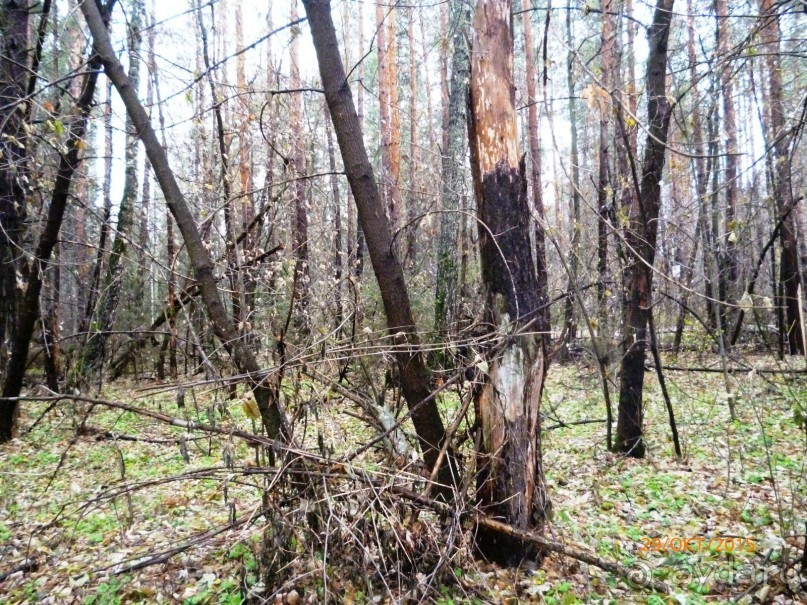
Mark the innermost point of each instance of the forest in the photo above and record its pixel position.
(372, 301)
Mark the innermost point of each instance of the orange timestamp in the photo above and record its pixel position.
(698, 543)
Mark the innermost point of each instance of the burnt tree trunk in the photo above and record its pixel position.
(641, 239)
(378, 237)
(510, 478)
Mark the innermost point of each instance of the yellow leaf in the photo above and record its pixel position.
(251, 409)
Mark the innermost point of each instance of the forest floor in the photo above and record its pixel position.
(741, 486)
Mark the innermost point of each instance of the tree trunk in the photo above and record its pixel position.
(376, 226)
(95, 349)
(641, 239)
(15, 44)
(510, 478)
(412, 209)
(453, 159)
(729, 265)
(609, 67)
(263, 388)
(698, 175)
(29, 307)
(230, 244)
(535, 170)
(299, 229)
(570, 323)
(789, 273)
(337, 224)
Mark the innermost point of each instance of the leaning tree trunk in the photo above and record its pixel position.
(378, 237)
(95, 349)
(641, 239)
(13, 76)
(510, 479)
(263, 387)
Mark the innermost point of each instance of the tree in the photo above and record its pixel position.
(641, 239)
(263, 387)
(453, 160)
(95, 348)
(29, 307)
(13, 156)
(299, 227)
(414, 374)
(779, 139)
(510, 477)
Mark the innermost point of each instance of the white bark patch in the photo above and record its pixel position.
(510, 383)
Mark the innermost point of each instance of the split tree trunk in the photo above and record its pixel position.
(510, 478)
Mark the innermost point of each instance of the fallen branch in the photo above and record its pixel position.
(25, 566)
(735, 370)
(534, 538)
(563, 425)
(102, 435)
(345, 468)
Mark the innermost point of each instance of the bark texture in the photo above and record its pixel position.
(789, 273)
(446, 298)
(15, 47)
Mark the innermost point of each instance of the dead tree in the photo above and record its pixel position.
(510, 477)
